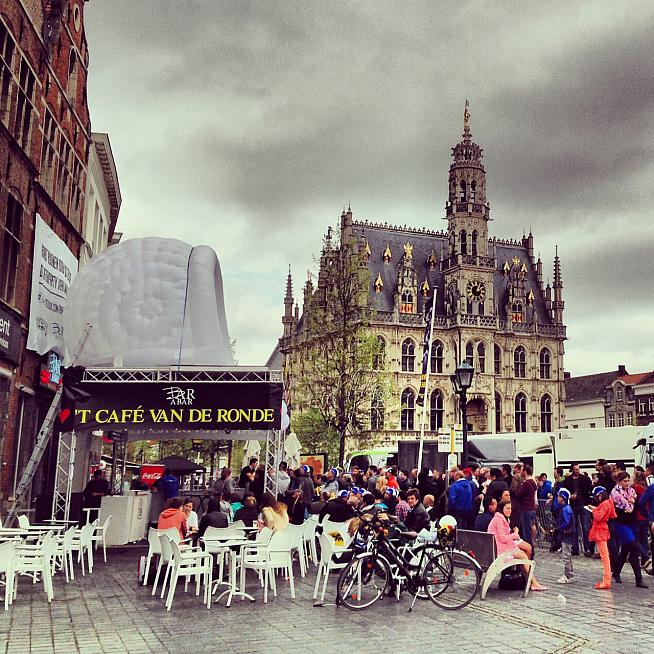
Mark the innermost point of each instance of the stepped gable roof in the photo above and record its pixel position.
(379, 236)
(589, 387)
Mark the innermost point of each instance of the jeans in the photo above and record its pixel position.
(526, 521)
(642, 530)
(584, 519)
(566, 557)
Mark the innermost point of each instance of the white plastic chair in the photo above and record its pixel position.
(297, 545)
(154, 548)
(83, 544)
(7, 565)
(328, 552)
(255, 557)
(165, 558)
(23, 522)
(266, 558)
(198, 565)
(99, 535)
(35, 560)
(64, 554)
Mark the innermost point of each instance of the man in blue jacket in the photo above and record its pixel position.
(459, 500)
(647, 508)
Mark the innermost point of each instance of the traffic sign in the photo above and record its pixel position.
(450, 439)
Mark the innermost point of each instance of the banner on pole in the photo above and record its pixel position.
(426, 350)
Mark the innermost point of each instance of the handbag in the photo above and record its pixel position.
(512, 579)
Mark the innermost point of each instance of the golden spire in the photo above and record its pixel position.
(387, 254)
(379, 284)
(524, 268)
(530, 297)
(506, 268)
(424, 288)
(367, 249)
(408, 251)
(432, 262)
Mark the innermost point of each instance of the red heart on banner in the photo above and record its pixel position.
(64, 415)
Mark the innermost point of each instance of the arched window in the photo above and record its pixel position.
(498, 413)
(408, 404)
(406, 304)
(521, 412)
(520, 362)
(475, 236)
(462, 191)
(470, 353)
(408, 355)
(545, 364)
(481, 357)
(497, 359)
(437, 357)
(436, 410)
(463, 237)
(516, 312)
(473, 191)
(546, 413)
(377, 411)
(379, 358)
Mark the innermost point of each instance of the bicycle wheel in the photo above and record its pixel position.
(363, 581)
(452, 579)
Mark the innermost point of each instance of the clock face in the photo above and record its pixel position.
(475, 290)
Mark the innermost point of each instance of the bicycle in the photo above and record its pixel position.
(449, 577)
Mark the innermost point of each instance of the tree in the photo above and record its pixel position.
(336, 350)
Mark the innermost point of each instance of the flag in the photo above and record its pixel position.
(426, 351)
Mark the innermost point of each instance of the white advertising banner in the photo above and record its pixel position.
(53, 269)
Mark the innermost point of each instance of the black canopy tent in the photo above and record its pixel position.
(179, 466)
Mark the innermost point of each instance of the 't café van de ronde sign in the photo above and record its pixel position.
(177, 406)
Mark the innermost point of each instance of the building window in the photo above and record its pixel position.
(575, 426)
(520, 362)
(521, 412)
(6, 57)
(516, 312)
(620, 419)
(408, 410)
(630, 418)
(10, 249)
(406, 303)
(619, 392)
(437, 357)
(462, 191)
(475, 236)
(408, 355)
(481, 357)
(437, 410)
(497, 359)
(377, 411)
(545, 364)
(593, 425)
(24, 105)
(546, 413)
(611, 419)
(641, 406)
(470, 353)
(464, 241)
(498, 413)
(473, 194)
(651, 404)
(71, 87)
(379, 358)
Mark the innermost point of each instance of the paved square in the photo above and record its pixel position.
(110, 613)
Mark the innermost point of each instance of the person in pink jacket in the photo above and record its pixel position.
(509, 541)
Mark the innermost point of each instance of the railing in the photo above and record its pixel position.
(412, 318)
(486, 262)
(488, 321)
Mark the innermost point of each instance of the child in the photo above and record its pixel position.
(565, 525)
(599, 532)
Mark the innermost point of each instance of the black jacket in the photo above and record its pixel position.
(337, 510)
(583, 487)
(417, 519)
(248, 514)
(213, 519)
(496, 488)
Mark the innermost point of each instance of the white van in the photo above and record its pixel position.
(366, 458)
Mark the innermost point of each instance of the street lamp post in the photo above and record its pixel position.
(461, 382)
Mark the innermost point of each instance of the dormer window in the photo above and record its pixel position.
(406, 303)
(516, 312)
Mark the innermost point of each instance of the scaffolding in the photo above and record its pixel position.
(64, 476)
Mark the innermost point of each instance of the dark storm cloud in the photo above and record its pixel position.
(255, 122)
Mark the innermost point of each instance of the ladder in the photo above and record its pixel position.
(42, 439)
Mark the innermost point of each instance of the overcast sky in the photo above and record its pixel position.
(248, 126)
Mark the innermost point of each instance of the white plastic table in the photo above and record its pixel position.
(233, 590)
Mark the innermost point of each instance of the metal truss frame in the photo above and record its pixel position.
(64, 475)
(274, 456)
(210, 375)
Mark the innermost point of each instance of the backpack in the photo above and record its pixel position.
(512, 579)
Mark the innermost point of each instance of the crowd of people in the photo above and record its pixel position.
(608, 515)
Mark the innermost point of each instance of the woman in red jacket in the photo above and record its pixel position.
(599, 532)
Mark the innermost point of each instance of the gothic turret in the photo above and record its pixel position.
(287, 320)
(558, 303)
(406, 298)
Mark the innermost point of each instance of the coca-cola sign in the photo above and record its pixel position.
(150, 473)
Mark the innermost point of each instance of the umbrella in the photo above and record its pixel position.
(178, 465)
(252, 449)
(292, 450)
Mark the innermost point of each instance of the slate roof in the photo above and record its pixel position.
(589, 387)
(423, 243)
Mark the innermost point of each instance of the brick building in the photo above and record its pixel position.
(45, 135)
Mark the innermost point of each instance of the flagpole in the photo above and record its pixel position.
(424, 404)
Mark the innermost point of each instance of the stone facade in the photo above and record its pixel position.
(492, 308)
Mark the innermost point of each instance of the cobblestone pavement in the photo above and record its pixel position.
(109, 613)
